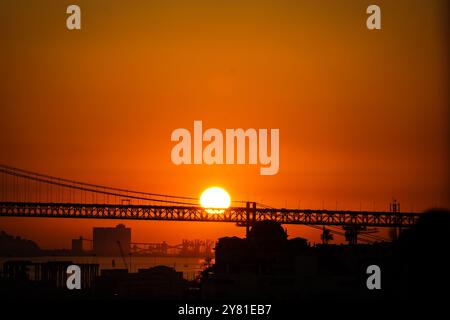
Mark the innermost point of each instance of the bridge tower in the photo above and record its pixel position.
(394, 207)
(250, 216)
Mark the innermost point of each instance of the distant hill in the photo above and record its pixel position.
(16, 246)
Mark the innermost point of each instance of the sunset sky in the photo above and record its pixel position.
(363, 115)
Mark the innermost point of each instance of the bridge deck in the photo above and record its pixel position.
(238, 215)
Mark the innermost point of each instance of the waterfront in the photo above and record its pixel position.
(190, 266)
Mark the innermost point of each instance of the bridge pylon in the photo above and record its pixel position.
(395, 209)
(250, 216)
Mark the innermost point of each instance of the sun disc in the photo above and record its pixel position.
(215, 200)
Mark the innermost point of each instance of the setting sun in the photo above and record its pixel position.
(215, 199)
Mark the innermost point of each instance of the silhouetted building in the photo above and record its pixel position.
(158, 283)
(112, 242)
(267, 265)
(77, 246)
(27, 279)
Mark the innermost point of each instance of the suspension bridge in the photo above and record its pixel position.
(25, 193)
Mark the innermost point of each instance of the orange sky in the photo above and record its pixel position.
(363, 115)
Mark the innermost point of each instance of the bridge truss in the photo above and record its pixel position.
(239, 215)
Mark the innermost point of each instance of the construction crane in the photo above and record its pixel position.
(121, 253)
